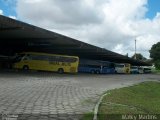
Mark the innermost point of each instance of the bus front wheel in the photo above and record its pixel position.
(25, 67)
(60, 70)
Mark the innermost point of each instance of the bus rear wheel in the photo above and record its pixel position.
(92, 71)
(97, 72)
(60, 70)
(25, 67)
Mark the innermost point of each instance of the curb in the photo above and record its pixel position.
(97, 106)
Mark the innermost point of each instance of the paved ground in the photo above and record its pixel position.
(57, 96)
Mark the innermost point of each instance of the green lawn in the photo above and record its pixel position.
(143, 98)
(155, 71)
(88, 116)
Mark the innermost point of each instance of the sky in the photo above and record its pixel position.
(109, 24)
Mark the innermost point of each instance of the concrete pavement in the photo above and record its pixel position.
(55, 96)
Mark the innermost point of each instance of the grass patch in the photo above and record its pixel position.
(88, 116)
(156, 71)
(143, 98)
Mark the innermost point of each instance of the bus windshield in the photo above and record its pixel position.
(120, 65)
(19, 57)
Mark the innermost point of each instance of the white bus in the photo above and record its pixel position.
(122, 68)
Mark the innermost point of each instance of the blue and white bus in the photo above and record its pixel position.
(96, 66)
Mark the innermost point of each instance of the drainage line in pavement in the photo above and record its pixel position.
(97, 106)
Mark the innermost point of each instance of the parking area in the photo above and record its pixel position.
(55, 95)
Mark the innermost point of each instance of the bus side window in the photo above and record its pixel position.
(62, 59)
(43, 57)
(74, 59)
(52, 58)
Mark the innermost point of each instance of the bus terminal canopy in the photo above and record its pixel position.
(16, 36)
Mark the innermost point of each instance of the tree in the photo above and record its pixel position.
(138, 56)
(155, 51)
(157, 64)
(155, 54)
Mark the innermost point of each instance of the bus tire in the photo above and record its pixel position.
(92, 71)
(25, 67)
(97, 72)
(60, 70)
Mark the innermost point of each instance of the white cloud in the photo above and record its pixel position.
(111, 24)
(57, 11)
(13, 17)
(1, 12)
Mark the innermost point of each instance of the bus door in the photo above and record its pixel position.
(27, 61)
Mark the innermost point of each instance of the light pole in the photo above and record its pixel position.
(135, 49)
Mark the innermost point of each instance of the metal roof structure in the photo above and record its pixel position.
(17, 36)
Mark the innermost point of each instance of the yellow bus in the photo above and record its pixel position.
(46, 62)
(123, 68)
